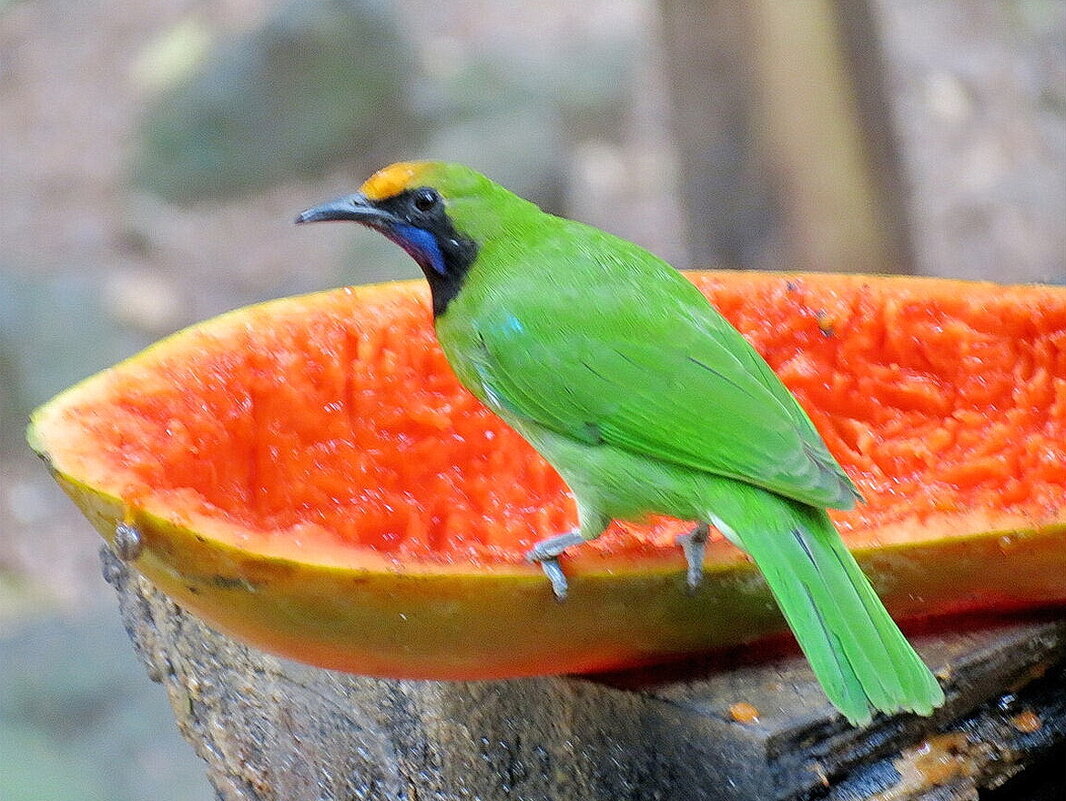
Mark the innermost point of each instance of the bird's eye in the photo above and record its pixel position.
(426, 199)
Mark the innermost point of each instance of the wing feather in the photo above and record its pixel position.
(642, 361)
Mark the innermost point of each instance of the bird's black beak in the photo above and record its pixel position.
(351, 208)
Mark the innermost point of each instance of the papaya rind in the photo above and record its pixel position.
(355, 610)
(429, 622)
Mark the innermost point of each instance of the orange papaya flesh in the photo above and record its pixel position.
(308, 475)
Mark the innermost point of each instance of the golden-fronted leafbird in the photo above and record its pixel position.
(645, 400)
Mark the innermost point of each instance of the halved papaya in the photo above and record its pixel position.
(308, 475)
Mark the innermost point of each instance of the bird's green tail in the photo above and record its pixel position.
(856, 650)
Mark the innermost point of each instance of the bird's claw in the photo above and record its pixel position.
(694, 545)
(555, 575)
(546, 554)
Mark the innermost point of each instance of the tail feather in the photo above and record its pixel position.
(814, 632)
(855, 648)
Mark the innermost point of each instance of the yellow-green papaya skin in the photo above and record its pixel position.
(430, 622)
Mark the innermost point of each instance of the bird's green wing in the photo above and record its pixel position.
(652, 368)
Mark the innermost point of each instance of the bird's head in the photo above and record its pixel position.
(440, 213)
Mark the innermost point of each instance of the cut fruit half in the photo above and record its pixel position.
(308, 475)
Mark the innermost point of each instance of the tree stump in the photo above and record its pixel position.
(274, 730)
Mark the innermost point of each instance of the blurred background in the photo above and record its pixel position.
(154, 153)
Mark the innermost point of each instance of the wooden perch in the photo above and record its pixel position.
(274, 730)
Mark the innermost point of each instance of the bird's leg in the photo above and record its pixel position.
(546, 552)
(591, 523)
(693, 544)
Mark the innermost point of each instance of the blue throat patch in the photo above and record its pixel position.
(421, 245)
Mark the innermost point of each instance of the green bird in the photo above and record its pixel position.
(646, 401)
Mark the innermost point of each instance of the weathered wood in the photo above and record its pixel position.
(826, 139)
(730, 208)
(783, 135)
(274, 730)
(870, 135)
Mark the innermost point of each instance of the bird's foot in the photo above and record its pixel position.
(546, 554)
(693, 544)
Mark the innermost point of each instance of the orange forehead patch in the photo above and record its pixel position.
(392, 180)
